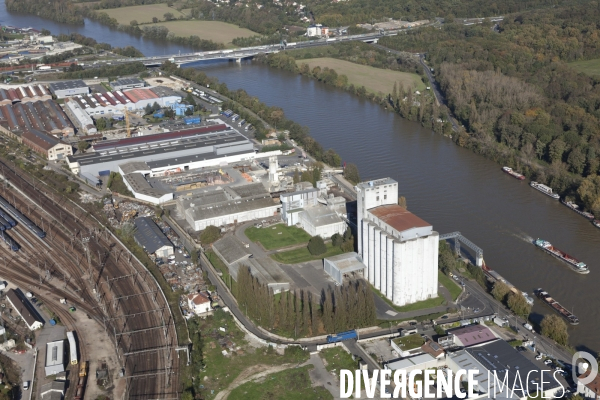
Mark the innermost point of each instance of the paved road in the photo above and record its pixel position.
(436, 90)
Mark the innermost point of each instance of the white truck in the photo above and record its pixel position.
(528, 327)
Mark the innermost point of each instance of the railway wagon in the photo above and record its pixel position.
(7, 218)
(9, 241)
(72, 347)
(21, 218)
(4, 225)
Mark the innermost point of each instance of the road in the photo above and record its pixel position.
(436, 90)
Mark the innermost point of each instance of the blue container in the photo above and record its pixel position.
(159, 114)
(52, 322)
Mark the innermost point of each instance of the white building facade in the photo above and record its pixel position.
(399, 249)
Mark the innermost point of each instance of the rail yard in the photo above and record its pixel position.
(82, 262)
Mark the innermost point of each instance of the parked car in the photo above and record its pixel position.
(26, 385)
(548, 361)
(539, 357)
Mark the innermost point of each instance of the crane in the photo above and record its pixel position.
(127, 112)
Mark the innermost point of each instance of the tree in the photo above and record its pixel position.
(500, 291)
(189, 112)
(154, 19)
(168, 16)
(133, 22)
(337, 239)
(351, 173)
(517, 303)
(316, 246)
(82, 145)
(190, 99)
(148, 109)
(556, 150)
(402, 202)
(555, 328)
(210, 234)
(589, 191)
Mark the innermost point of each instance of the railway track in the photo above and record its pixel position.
(82, 262)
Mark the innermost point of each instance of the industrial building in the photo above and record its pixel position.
(471, 335)
(234, 254)
(80, 118)
(46, 145)
(25, 309)
(55, 357)
(317, 215)
(343, 264)
(115, 102)
(502, 359)
(165, 152)
(63, 89)
(53, 390)
(24, 94)
(230, 205)
(139, 186)
(399, 249)
(420, 362)
(151, 238)
(127, 83)
(45, 116)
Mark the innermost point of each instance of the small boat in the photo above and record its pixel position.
(512, 173)
(544, 189)
(574, 263)
(596, 223)
(528, 298)
(575, 208)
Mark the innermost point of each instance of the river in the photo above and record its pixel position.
(93, 29)
(450, 187)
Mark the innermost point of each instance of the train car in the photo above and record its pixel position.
(339, 337)
(4, 225)
(7, 218)
(72, 347)
(21, 218)
(9, 241)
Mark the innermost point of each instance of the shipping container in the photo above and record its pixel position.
(159, 114)
(104, 173)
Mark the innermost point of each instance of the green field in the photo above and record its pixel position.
(452, 287)
(589, 67)
(302, 254)
(142, 14)
(278, 236)
(216, 31)
(291, 384)
(373, 79)
(337, 359)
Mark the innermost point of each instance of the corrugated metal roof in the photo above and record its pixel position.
(149, 236)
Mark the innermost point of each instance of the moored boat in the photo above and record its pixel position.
(556, 306)
(544, 189)
(513, 173)
(574, 263)
(575, 208)
(596, 223)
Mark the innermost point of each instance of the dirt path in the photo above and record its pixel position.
(250, 374)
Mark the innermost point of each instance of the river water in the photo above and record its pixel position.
(450, 187)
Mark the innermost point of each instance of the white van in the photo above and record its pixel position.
(26, 385)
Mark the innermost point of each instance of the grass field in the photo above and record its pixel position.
(452, 287)
(291, 384)
(373, 79)
(275, 237)
(216, 31)
(337, 359)
(589, 67)
(303, 255)
(142, 14)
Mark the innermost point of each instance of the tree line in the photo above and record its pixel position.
(301, 313)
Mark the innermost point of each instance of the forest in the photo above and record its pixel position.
(519, 101)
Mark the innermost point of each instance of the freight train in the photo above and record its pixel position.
(9, 241)
(21, 218)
